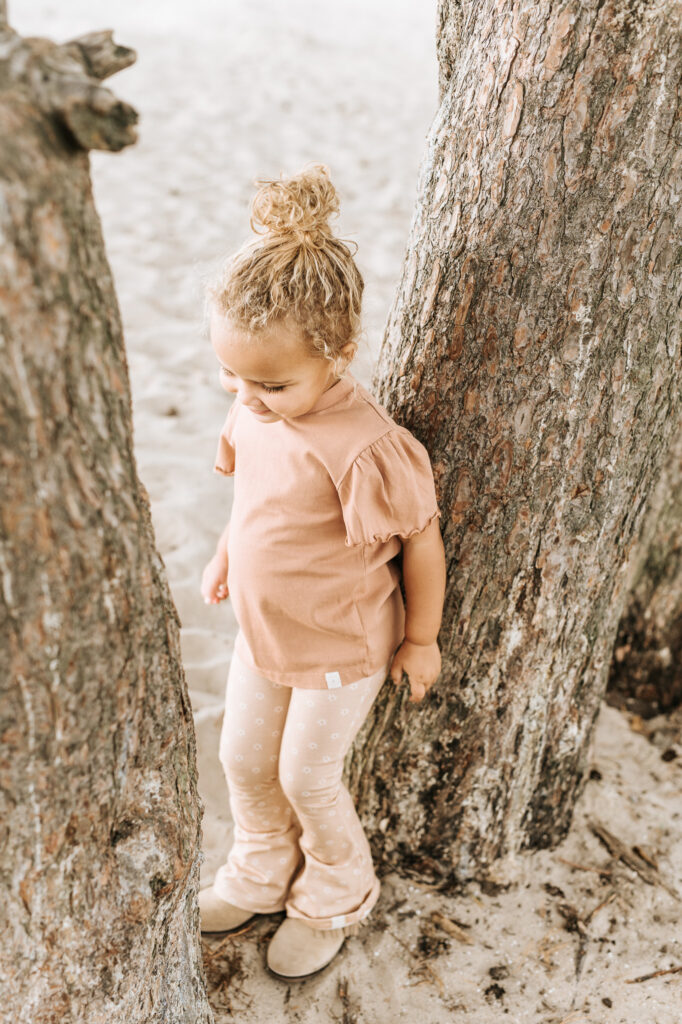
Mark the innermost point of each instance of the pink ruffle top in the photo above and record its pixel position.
(321, 505)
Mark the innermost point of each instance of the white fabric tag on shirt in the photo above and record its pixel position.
(333, 680)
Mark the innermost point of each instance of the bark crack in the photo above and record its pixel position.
(506, 81)
(581, 59)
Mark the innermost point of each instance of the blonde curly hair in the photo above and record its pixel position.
(296, 268)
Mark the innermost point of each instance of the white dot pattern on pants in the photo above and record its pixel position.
(306, 843)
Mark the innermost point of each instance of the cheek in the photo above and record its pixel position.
(276, 402)
(227, 384)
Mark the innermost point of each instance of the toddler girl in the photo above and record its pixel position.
(328, 491)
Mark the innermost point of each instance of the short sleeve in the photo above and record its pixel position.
(225, 457)
(388, 490)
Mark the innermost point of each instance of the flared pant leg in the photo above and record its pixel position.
(337, 885)
(265, 854)
(299, 844)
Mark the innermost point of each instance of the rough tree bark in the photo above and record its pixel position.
(534, 347)
(646, 671)
(99, 813)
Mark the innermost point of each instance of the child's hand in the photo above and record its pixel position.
(214, 580)
(421, 663)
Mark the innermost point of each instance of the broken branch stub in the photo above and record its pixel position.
(95, 118)
(99, 54)
(64, 83)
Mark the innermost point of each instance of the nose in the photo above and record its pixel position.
(247, 392)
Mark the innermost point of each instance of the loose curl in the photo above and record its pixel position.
(297, 268)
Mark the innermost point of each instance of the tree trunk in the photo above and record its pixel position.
(646, 670)
(99, 813)
(534, 348)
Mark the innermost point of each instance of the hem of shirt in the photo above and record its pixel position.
(384, 538)
(348, 675)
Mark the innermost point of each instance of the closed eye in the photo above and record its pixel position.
(278, 387)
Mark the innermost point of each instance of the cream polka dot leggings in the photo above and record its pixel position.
(299, 845)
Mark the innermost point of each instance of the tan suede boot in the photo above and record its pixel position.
(296, 950)
(217, 915)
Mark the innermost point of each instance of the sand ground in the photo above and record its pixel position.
(230, 91)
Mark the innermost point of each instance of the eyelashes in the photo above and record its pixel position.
(279, 387)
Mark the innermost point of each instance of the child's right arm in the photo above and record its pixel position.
(214, 578)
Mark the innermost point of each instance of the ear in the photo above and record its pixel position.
(348, 351)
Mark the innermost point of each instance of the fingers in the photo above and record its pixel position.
(396, 671)
(418, 692)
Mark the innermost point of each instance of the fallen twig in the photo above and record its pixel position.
(646, 855)
(422, 966)
(224, 942)
(654, 974)
(609, 899)
(542, 949)
(453, 929)
(633, 860)
(342, 991)
(571, 1017)
(604, 872)
(575, 923)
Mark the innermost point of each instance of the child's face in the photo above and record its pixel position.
(273, 373)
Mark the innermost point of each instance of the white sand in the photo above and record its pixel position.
(229, 91)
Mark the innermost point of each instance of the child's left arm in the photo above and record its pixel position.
(424, 581)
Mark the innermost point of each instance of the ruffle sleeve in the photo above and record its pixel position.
(388, 490)
(225, 455)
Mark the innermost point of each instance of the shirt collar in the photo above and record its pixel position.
(336, 393)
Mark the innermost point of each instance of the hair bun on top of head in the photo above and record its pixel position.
(300, 206)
